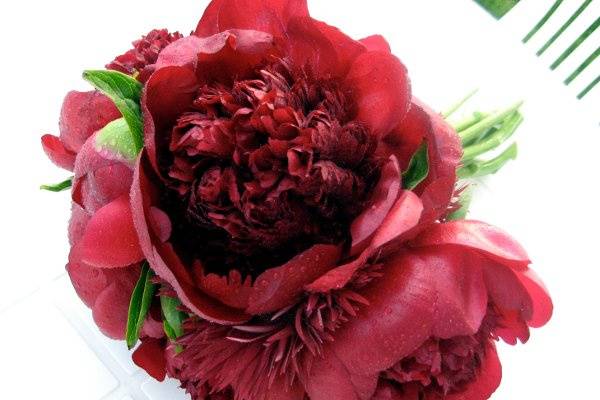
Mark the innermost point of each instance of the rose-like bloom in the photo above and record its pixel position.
(269, 196)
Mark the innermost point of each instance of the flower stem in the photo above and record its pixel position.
(576, 44)
(473, 133)
(483, 168)
(588, 88)
(469, 121)
(458, 104)
(497, 138)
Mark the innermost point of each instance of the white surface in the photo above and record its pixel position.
(548, 199)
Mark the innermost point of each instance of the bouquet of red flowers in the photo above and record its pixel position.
(268, 213)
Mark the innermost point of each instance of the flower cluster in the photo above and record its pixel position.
(283, 230)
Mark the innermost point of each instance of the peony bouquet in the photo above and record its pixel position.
(264, 211)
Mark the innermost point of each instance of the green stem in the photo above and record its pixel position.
(588, 88)
(507, 129)
(564, 27)
(543, 21)
(474, 132)
(458, 104)
(583, 66)
(576, 44)
(483, 168)
(58, 187)
(470, 121)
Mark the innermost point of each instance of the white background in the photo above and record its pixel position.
(548, 199)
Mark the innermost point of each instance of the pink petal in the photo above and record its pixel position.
(280, 287)
(77, 223)
(542, 303)
(57, 153)
(110, 239)
(269, 16)
(82, 114)
(379, 84)
(476, 235)
(232, 290)
(98, 180)
(150, 356)
(160, 223)
(376, 43)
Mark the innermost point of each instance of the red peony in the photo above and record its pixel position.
(276, 199)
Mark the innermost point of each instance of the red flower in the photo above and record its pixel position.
(274, 151)
(274, 198)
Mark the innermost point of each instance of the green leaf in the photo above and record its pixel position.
(173, 318)
(125, 92)
(58, 187)
(117, 140)
(141, 298)
(418, 168)
(498, 8)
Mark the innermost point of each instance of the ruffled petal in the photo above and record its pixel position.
(381, 90)
(476, 235)
(82, 114)
(221, 57)
(321, 49)
(164, 260)
(487, 380)
(279, 287)
(168, 93)
(269, 16)
(57, 153)
(430, 292)
(110, 239)
(150, 356)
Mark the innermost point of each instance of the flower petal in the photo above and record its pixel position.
(380, 87)
(168, 93)
(487, 380)
(430, 292)
(57, 153)
(542, 303)
(476, 235)
(376, 43)
(110, 239)
(269, 16)
(321, 49)
(221, 57)
(279, 287)
(111, 309)
(382, 199)
(82, 114)
(329, 379)
(150, 356)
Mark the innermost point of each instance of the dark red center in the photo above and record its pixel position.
(265, 168)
